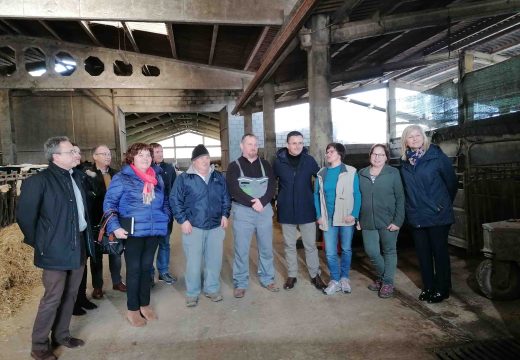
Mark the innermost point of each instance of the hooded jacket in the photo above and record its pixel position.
(48, 217)
(382, 202)
(125, 195)
(203, 205)
(430, 187)
(295, 201)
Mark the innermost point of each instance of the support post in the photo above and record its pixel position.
(269, 129)
(318, 71)
(391, 111)
(466, 62)
(6, 129)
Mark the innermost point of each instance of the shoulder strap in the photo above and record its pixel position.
(240, 168)
(262, 166)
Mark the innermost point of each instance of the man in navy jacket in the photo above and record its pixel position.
(295, 168)
(201, 204)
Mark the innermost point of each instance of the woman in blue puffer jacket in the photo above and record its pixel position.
(137, 192)
(430, 186)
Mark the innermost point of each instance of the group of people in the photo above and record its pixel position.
(55, 213)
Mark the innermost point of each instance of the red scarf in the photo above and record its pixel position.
(149, 180)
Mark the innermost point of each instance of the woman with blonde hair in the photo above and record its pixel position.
(430, 186)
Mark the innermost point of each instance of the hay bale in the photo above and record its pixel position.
(18, 275)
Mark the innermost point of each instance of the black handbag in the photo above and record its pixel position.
(108, 243)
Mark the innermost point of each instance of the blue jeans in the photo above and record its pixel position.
(163, 255)
(247, 222)
(331, 250)
(203, 250)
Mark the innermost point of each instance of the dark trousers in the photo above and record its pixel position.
(431, 246)
(139, 254)
(56, 305)
(96, 269)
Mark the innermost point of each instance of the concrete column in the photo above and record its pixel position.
(269, 133)
(248, 120)
(235, 125)
(224, 139)
(391, 110)
(466, 62)
(6, 129)
(318, 73)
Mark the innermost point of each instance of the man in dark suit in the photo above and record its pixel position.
(52, 215)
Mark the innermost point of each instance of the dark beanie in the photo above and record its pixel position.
(199, 150)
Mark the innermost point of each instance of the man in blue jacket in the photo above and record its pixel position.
(53, 217)
(201, 204)
(295, 168)
(163, 252)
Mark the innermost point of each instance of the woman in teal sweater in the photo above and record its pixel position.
(337, 201)
(382, 214)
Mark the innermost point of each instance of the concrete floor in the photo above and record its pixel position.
(300, 324)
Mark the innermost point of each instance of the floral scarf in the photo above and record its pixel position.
(413, 156)
(149, 180)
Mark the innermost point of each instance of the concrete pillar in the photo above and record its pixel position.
(235, 125)
(6, 129)
(318, 73)
(248, 120)
(391, 111)
(224, 139)
(466, 64)
(269, 133)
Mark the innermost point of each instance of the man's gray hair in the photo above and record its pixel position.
(52, 146)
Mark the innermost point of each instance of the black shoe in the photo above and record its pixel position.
(425, 294)
(437, 297)
(318, 282)
(87, 304)
(43, 355)
(69, 342)
(78, 311)
(289, 283)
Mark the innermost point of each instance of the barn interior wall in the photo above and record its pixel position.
(38, 116)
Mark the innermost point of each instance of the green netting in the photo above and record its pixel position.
(488, 92)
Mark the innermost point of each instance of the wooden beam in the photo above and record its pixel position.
(171, 38)
(286, 35)
(213, 43)
(13, 27)
(344, 11)
(259, 43)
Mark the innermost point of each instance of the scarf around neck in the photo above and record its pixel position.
(414, 156)
(149, 180)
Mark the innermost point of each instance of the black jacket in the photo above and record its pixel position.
(48, 217)
(168, 175)
(98, 191)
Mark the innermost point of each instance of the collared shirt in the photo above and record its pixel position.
(79, 204)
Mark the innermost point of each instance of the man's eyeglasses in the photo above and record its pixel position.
(104, 154)
(70, 152)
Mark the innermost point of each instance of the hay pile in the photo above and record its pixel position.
(18, 275)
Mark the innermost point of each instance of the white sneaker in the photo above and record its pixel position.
(344, 283)
(333, 288)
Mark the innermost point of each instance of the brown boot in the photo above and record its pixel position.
(135, 318)
(148, 313)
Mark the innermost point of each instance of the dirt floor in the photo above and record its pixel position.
(298, 324)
